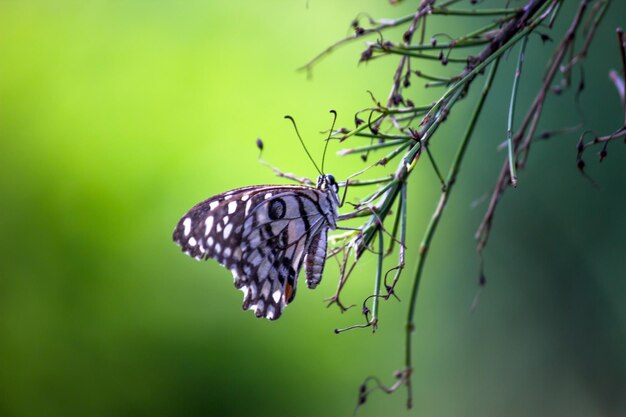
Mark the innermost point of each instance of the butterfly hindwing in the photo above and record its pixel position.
(275, 237)
(261, 234)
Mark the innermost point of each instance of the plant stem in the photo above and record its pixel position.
(379, 277)
(484, 12)
(432, 226)
(385, 144)
(509, 131)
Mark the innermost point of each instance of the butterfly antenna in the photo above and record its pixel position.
(328, 138)
(302, 142)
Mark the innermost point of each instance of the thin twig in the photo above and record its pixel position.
(509, 131)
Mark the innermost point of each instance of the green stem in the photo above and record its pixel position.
(381, 136)
(509, 131)
(484, 12)
(407, 52)
(443, 46)
(357, 183)
(432, 226)
(379, 277)
(385, 144)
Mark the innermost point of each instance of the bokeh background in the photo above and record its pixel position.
(117, 116)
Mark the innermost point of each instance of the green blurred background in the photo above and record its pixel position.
(117, 116)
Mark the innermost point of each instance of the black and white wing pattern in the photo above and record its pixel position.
(264, 235)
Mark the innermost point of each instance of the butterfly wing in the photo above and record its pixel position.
(204, 233)
(261, 234)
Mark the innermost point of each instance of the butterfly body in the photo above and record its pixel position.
(264, 234)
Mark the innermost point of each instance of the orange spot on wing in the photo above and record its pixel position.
(288, 292)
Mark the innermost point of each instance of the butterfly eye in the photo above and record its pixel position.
(332, 182)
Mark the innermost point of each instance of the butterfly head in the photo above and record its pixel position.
(327, 182)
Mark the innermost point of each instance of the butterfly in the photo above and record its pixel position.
(264, 234)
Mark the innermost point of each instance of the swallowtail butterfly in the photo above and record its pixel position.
(264, 234)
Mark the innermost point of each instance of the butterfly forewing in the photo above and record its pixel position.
(261, 234)
(204, 232)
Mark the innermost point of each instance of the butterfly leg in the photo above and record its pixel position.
(345, 193)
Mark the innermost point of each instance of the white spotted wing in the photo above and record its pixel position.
(264, 235)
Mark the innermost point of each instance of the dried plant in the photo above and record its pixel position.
(404, 129)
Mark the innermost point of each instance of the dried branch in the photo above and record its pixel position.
(408, 130)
